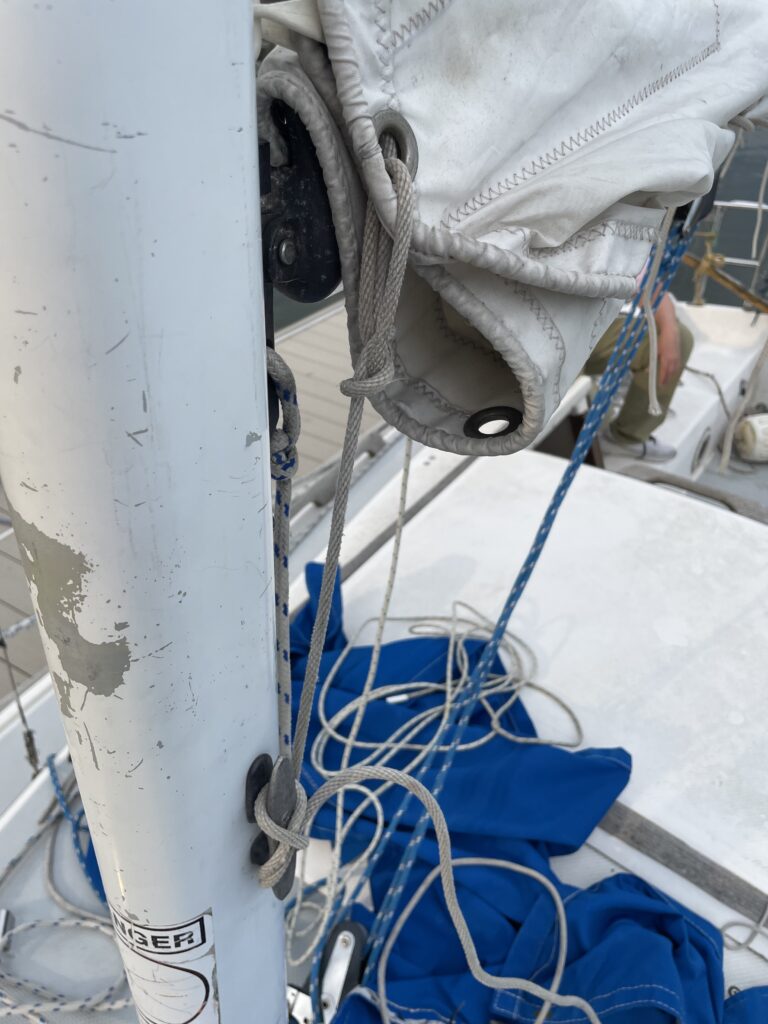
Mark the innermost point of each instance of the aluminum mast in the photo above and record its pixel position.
(134, 448)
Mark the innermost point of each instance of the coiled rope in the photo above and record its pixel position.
(499, 693)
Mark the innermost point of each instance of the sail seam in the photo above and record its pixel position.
(616, 229)
(419, 385)
(461, 340)
(415, 23)
(547, 324)
(383, 21)
(575, 142)
(597, 326)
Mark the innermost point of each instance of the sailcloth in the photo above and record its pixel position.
(544, 141)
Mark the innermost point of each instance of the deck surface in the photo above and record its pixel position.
(646, 613)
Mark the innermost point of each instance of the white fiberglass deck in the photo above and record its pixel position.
(647, 614)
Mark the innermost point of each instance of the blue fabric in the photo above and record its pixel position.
(747, 1007)
(636, 955)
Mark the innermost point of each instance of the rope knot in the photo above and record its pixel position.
(375, 366)
(284, 457)
(285, 839)
(283, 454)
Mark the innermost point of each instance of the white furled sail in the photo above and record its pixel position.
(544, 142)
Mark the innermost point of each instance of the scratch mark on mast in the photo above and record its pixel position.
(50, 135)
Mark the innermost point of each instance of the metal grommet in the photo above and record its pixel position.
(498, 421)
(389, 122)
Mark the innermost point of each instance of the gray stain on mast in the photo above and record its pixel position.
(58, 573)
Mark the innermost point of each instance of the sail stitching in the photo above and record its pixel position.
(616, 229)
(421, 386)
(585, 135)
(383, 20)
(415, 23)
(547, 324)
(463, 340)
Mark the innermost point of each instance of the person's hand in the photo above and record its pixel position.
(670, 354)
(670, 349)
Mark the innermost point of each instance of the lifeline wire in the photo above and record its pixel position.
(30, 745)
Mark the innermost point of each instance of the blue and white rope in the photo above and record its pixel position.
(78, 828)
(624, 351)
(284, 463)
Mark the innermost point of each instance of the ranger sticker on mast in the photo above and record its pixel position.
(171, 970)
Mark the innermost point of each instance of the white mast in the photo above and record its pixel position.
(134, 448)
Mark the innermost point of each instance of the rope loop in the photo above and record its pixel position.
(382, 270)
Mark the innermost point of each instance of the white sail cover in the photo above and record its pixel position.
(550, 138)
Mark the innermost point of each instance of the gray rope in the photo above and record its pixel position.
(715, 382)
(342, 829)
(522, 662)
(383, 268)
(359, 774)
(754, 929)
(500, 983)
(383, 265)
(290, 837)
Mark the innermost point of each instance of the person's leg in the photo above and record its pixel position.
(601, 353)
(635, 423)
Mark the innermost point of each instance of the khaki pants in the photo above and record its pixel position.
(634, 422)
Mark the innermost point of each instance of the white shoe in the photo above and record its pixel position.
(651, 450)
